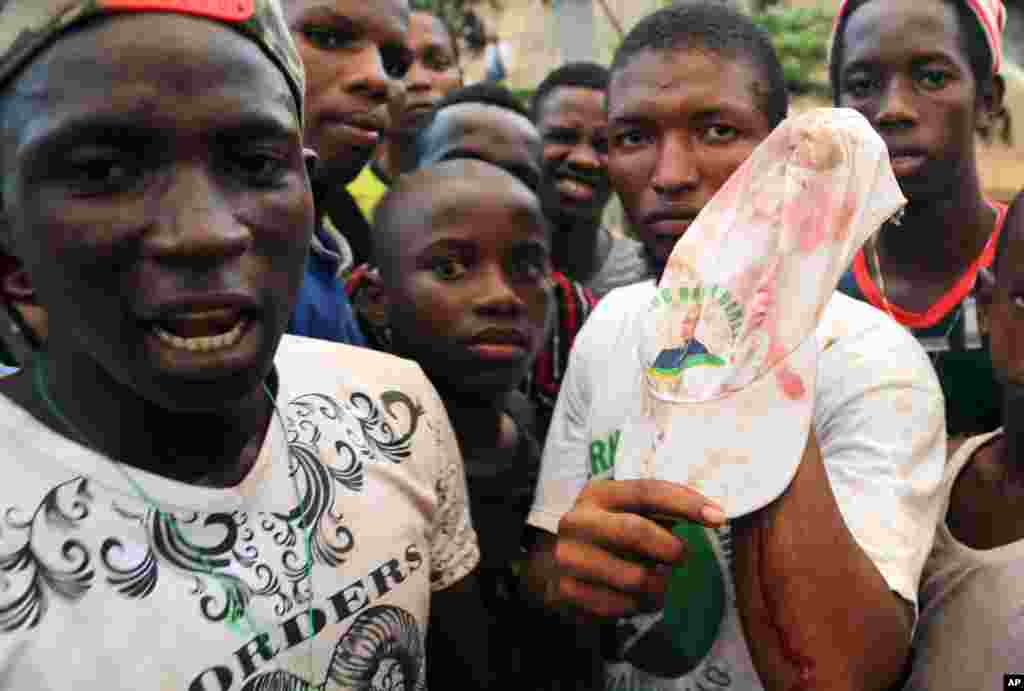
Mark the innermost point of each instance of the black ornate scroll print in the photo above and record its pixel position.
(263, 555)
(381, 651)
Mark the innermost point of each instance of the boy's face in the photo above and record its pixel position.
(679, 123)
(487, 133)
(904, 68)
(355, 58)
(159, 200)
(433, 74)
(574, 130)
(471, 294)
(1006, 308)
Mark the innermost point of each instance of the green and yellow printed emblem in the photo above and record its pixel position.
(695, 326)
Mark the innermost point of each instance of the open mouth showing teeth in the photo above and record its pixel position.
(202, 332)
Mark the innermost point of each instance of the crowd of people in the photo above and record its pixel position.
(322, 365)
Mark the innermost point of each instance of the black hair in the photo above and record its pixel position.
(720, 29)
(585, 75)
(484, 93)
(453, 35)
(480, 93)
(975, 45)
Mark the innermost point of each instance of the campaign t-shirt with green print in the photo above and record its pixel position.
(878, 419)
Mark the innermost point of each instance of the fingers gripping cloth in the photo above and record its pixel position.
(729, 354)
(28, 27)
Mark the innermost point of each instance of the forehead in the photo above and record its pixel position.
(676, 84)
(384, 21)
(493, 208)
(573, 102)
(153, 68)
(895, 29)
(426, 29)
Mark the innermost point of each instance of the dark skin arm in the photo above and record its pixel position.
(816, 611)
(798, 571)
(457, 638)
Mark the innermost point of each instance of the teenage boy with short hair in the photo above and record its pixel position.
(465, 269)
(355, 57)
(695, 88)
(486, 122)
(193, 501)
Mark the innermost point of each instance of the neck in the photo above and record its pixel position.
(346, 217)
(954, 230)
(396, 155)
(218, 449)
(580, 248)
(476, 421)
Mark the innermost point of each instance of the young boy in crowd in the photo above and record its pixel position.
(193, 501)
(926, 74)
(971, 630)
(568, 109)
(694, 89)
(465, 266)
(486, 122)
(355, 57)
(433, 74)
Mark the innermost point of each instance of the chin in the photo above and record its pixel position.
(487, 386)
(342, 169)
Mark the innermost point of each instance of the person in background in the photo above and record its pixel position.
(568, 109)
(971, 630)
(23, 320)
(486, 122)
(195, 500)
(925, 73)
(465, 267)
(355, 57)
(434, 73)
(694, 89)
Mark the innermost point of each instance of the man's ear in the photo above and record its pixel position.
(15, 283)
(985, 292)
(985, 288)
(992, 109)
(373, 301)
(312, 160)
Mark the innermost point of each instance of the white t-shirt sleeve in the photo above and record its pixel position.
(564, 468)
(454, 551)
(880, 421)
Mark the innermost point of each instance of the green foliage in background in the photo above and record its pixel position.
(800, 35)
(452, 11)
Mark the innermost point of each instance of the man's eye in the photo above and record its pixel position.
(933, 80)
(720, 134)
(437, 60)
(448, 268)
(631, 138)
(530, 269)
(259, 167)
(326, 38)
(104, 173)
(858, 86)
(396, 60)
